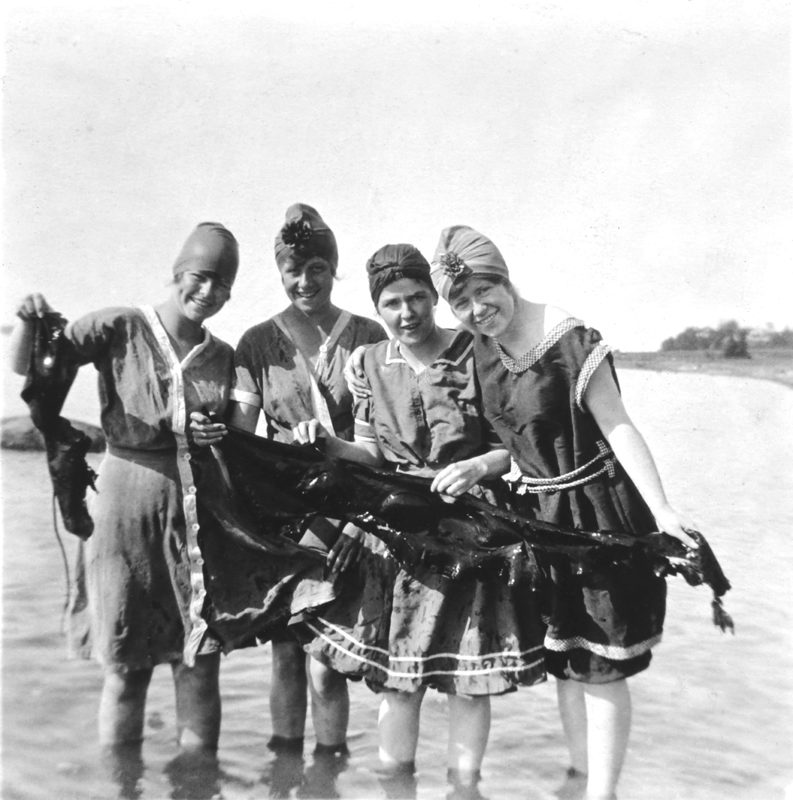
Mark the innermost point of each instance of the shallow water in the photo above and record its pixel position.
(713, 716)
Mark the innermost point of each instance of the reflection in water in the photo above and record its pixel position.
(320, 777)
(284, 773)
(398, 783)
(194, 775)
(288, 771)
(124, 766)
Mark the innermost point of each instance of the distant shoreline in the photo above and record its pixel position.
(772, 364)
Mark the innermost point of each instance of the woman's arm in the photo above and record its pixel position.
(243, 415)
(603, 401)
(459, 477)
(355, 376)
(308, 431)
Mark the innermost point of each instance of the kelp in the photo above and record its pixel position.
(51, 372)
(264, 494)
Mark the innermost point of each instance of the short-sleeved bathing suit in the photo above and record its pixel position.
(142, 569)
(404, 630)
(271, 374)
(252, 596)
(602, 623)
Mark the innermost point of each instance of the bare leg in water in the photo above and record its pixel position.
(596, 719)
(198, 703)
(122, 706)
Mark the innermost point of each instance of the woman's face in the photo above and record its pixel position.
(199, 295)
(308, 284)
(407, 307)
(483, 305)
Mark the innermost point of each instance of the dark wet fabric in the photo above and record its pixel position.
(50, 374)
(256, 496)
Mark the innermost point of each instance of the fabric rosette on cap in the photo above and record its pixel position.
(462, 252)
(305, 235)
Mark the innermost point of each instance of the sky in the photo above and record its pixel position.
(632, 161)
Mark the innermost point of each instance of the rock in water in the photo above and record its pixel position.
(19, 433)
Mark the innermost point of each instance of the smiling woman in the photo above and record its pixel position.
(140, 576)
(551, 393)
(406, 630)
(290, 368)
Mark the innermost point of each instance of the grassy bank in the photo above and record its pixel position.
(772, 364)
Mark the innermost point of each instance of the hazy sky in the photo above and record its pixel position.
(631, 160)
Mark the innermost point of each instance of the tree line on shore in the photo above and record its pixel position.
(729, 339)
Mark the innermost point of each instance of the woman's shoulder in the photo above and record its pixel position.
(109, 317)
(461, 343)
(381, 352)
(259, 333)
(220, 345)
(555, 317)
(365, 330)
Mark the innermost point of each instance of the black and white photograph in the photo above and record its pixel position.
(397, 400)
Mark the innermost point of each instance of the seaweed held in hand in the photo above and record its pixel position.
(51, 372)
(264, 493)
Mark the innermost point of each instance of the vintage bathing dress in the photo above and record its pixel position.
(273, 375)
(142, 570)
(603, 623)
(404, 631)
(253, 596)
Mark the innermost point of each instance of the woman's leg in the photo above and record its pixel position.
(469, 727)
(572, 709)
(596, 718)
(608, 710)
(122, 706)
(198, 703)
(288, 690)
(398, 727)
(330, 705)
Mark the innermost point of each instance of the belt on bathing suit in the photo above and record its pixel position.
(145, 458)
(603, 463)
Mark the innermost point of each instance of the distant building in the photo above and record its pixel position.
(760, 337)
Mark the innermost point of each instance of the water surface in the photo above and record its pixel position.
(712, 716)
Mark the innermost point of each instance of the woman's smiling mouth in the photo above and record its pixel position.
(485, 321)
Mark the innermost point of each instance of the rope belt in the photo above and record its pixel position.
(603, 463)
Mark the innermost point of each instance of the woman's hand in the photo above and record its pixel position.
(458, 478)
(671, 522)
(308, 431)
(206, 431)
(34, 305)
(20, 346)
(346, 550)
(355, 376)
